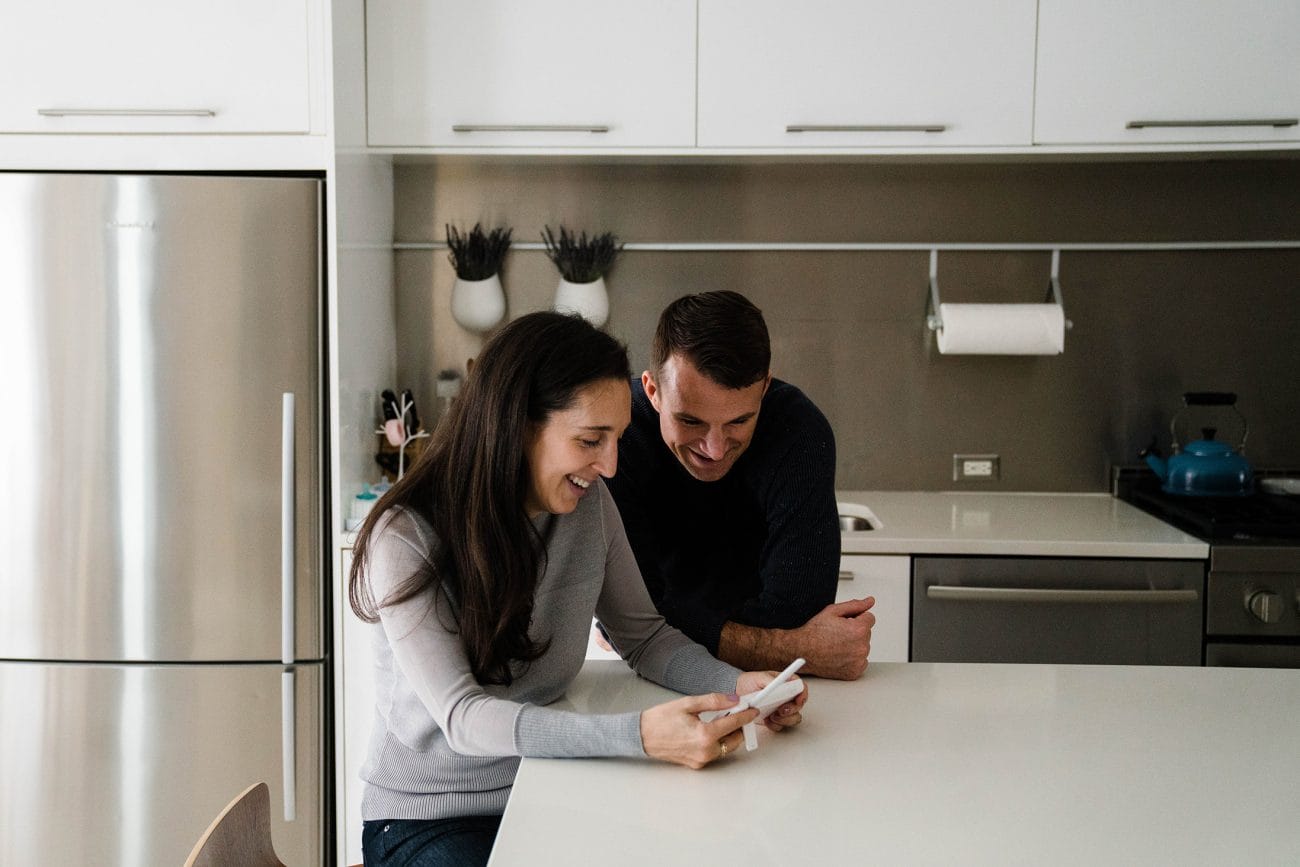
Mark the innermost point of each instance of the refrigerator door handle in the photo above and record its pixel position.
(288, 746)
(287, 531)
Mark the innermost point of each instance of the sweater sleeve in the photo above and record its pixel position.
(655, 650)
(431, 657)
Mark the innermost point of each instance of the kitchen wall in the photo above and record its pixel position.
(848, 327)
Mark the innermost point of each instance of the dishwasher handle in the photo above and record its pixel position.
(1052, 595)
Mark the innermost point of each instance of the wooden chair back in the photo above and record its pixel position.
(240, 836)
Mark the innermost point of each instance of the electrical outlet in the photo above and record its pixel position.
(974, 468)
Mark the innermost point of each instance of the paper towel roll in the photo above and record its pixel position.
(1002, 329)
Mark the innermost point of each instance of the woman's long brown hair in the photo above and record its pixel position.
(471, 482)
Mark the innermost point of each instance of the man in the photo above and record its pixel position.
(726, 483)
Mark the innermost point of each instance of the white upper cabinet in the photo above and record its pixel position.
(1167, 71)
(865, 73)
(496, 73)
(156, 66)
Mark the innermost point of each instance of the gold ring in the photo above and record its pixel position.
(722, 744)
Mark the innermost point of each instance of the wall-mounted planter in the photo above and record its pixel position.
(588, 300)
(477, 305)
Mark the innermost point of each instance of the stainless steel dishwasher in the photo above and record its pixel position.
(1066, 610)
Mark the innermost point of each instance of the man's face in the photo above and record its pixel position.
(706, 425)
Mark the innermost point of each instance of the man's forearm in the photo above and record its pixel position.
(752, 648)
(835, 642)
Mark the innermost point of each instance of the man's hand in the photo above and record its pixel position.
(835, 641)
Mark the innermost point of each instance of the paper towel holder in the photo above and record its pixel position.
(933, 319)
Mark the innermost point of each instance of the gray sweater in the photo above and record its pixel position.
(444, 745)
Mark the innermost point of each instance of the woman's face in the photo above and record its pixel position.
(568, 450)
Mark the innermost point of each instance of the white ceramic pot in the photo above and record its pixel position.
(588, 300)
(477, 305)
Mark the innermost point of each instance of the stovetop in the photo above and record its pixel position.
(1261, 518)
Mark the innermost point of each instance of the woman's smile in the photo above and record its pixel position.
(577, 445)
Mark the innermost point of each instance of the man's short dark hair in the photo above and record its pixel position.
(721, 333)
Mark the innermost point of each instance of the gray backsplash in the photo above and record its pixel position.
(848, 327)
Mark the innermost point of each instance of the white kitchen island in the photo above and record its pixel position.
(945, 764)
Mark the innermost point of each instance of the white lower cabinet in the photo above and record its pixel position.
(889, 579)
(352, 727)
(594, 650)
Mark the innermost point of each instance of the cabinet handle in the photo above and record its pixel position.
(1175, 124)
(528, 127)
(869, 127)
(1024, 594)
(126, 112)
(846, 575)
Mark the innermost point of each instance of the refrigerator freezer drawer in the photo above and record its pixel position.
(127, 765)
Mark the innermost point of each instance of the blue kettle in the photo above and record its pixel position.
(1204, 467)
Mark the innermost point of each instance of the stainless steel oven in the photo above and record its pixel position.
(1252, 598)
(1252, 606)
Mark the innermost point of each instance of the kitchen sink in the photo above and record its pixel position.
(856, 518)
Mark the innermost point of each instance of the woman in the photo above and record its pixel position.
(484, 566)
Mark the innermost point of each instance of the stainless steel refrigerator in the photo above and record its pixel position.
(162, 631)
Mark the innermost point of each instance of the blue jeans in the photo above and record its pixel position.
(463, 841)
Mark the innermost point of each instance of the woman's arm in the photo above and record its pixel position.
(432, 659)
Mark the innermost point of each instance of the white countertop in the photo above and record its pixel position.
(945, 764)
(1010, 524)
(1007, 524)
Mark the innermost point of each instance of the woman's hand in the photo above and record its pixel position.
(788, 714)
(673, 732)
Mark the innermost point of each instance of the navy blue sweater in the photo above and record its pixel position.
(760, 546)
